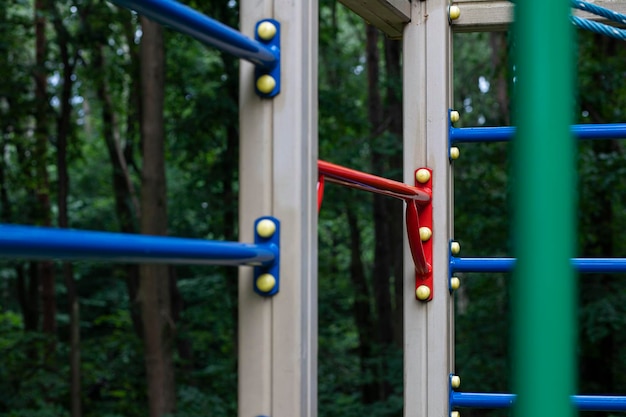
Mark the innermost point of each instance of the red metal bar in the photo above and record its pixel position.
(372, 183)
(420, 194)
(415, 243)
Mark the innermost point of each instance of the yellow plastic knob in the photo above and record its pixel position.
(422, 175)
(455, 414)
(454, 153)
(455, 381)
(265, 282)
(455, 248)
(422, 293)
(265, 228)
(455, 283)
(425, 233)
(454, 12)
(266, 31)
(266, 84)
(454, 116)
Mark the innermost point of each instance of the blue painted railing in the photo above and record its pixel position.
(506, 133)
(209, 31)
(32, 242)
(582, 402)
(583, 265)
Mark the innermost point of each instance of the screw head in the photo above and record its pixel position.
(455, 381)
(422, 175)
(266, 30)
(454, 12)
(422, 293)
(455, 248)
(265, 228)
(454, 153)
(265, 282)
(266, 84)
(425, 233)
(455, 283)
(454, 116)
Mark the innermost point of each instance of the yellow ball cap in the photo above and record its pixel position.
(265, 228)
(265, 84)
(455, 248)
(425, 233)
(455, 283)
(454, 12)
(422, 293)
(455, 381)
(454, 152)
(266, 31)
(454, 116)
(265, 282)
(422, 176)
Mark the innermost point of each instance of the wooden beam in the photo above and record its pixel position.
(389, 16)
(491, 16)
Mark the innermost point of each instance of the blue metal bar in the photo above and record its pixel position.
(582, 402)
(209, 31)
(33, 242)
(506, 133)
(583, 265)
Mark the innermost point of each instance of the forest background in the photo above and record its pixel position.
(92, 137)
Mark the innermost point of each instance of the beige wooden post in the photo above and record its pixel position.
(278, 174)
(428, 327)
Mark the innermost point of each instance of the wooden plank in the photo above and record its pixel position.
(490, 16)
(389, 16)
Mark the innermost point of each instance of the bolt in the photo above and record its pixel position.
(422, 293)
(455, 248)
(266, 30)
(265, 282)
(425, 234)
(454, 12)
(265, 228)
(422, 175)
(265, 84)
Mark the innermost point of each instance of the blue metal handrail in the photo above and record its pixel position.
(209, 31)
(582, 402)
(583, 265)
(32, 242)
(506, 133)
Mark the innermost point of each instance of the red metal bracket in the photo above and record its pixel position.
(320, 191)
(420, 232)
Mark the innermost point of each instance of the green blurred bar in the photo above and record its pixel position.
(544, 281)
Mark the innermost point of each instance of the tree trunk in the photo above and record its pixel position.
(362, 312)
(63, 132)
(42, 191)
(154, 293)
(126, 203)
(395, 208)
(381, 274)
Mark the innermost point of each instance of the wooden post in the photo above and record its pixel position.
(428, 326)
(278, 176)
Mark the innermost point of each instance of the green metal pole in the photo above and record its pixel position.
(544, 287)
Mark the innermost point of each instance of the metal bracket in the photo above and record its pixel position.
(267, 81)
(267, 277)
(424, 280)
